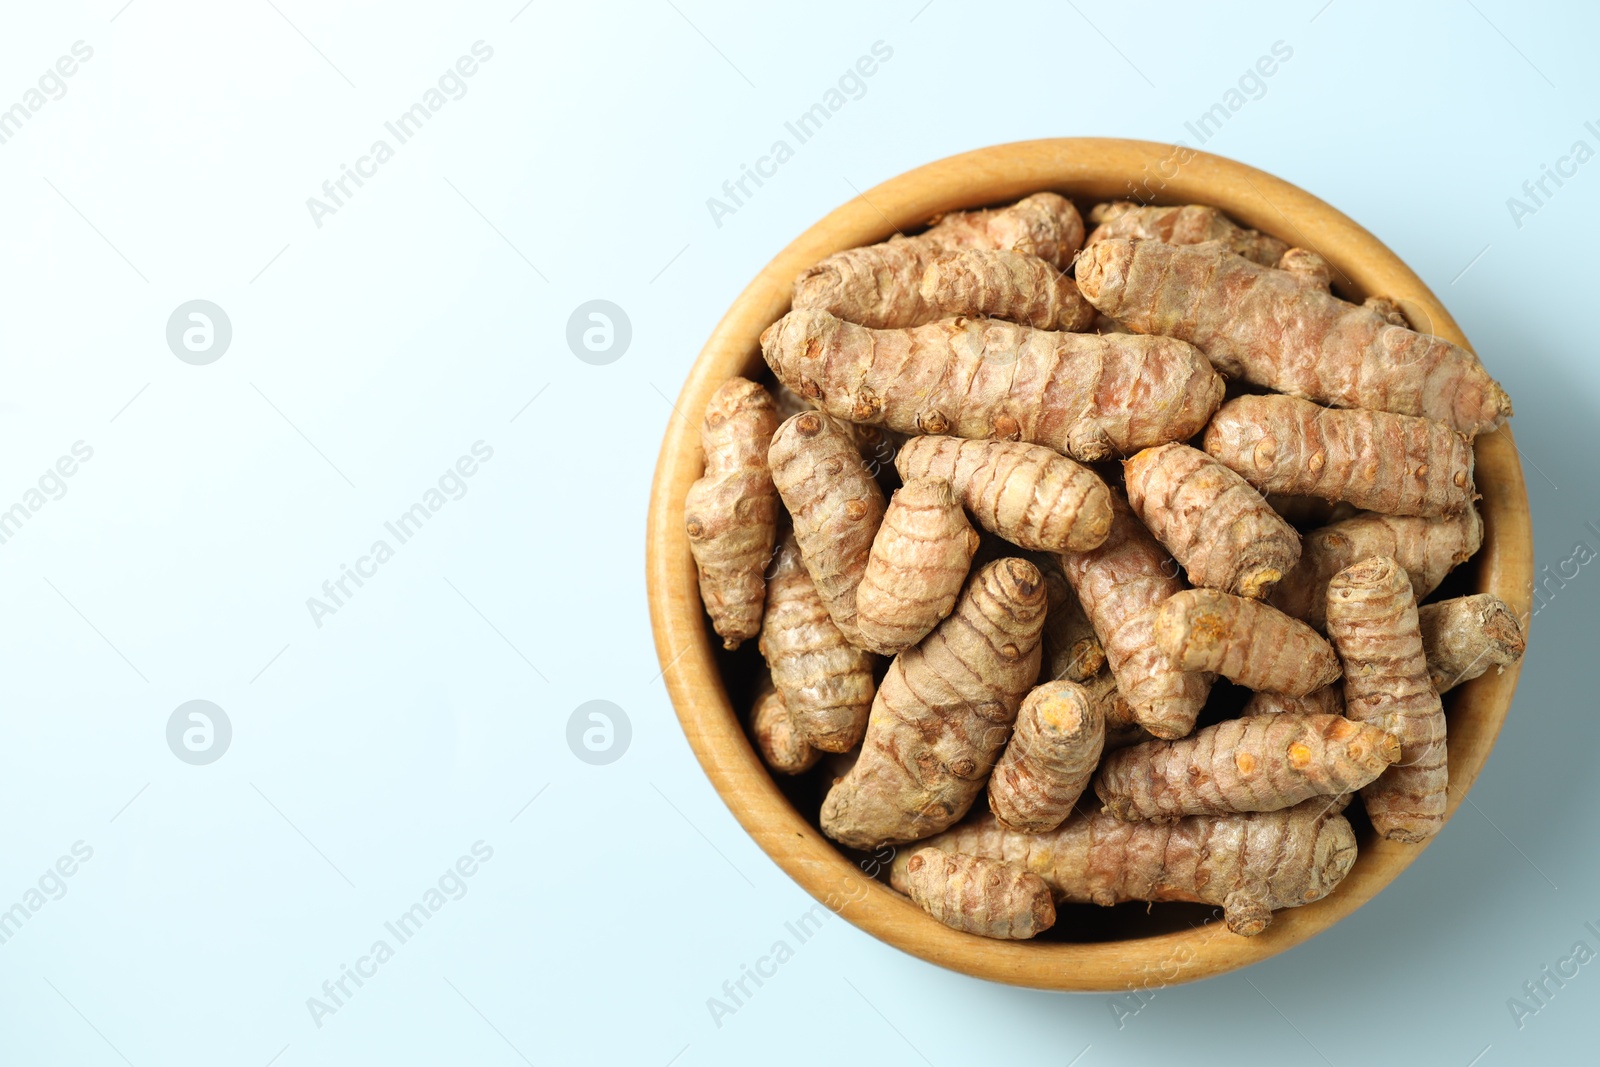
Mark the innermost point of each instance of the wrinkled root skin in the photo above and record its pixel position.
(943, 713)
(1249, 865)
(1087, 396)
(979, 896)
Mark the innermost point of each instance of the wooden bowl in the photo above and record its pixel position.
(1128, 946)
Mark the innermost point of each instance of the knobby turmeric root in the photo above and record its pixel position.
(1268, 327)
(825, 682)
(836, 506)
(1086, 395)
(1377, 461)
(1049, 760)
(1389, 310)
(942, 714)
(1307, 267)
(917, 566)
(979, 896)
(1121, 585)
(876, 444)
(1249, 865)
(1046, 225)
(780, 744)
(1372, 620)
(1028, 494)
(1226, 536)
(1427, 549)
(881, 285)
(1003, 285)
(1190, 224)
(1467, 635)
(1245, 641)
(1072, 652)
(1261, 763)
(731, 514)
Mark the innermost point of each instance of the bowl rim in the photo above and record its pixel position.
(1085, 168)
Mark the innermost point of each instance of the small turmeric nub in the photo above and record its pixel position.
(1189, 224)
(990, 898)
(780, 744)
(1028, 494)
(1394, 464)
(1223, 532)
(1046, 225)
(1308, 268)
(1049, 760)
(1262, 763)
(1467, 635)
(1246, 641)
(881, 285)
(1072, 652)
(916, 568)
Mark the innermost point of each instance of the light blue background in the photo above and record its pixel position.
(368, 354)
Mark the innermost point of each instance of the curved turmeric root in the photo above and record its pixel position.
(979, 896)
(1427, 549)
(1222, 531)
(780, 744)
(1072, 652)
(836, 506)
(1467, 635)
(1372, 620)
(1049, 760)
(1261, 763)
(1028, 494)
(1004, 285)
(1087, 395)
(1190, 224)
(917, 567)
(1249, 865)
(731, 514)
(1246, 641)
(1046, 225)
(1268, 327)
(825, 682)
(942, 714)
(1121, 585)
(881, 285)
(1392, 464)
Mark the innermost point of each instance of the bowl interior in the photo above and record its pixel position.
(1090, 948)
